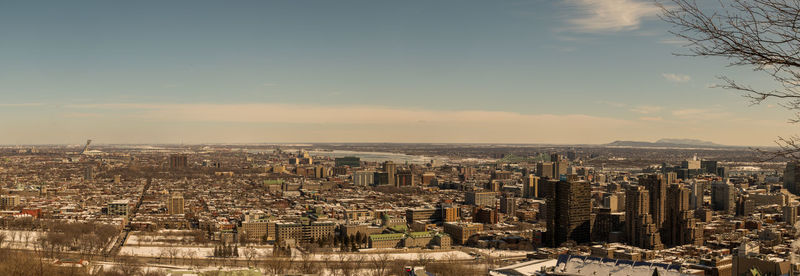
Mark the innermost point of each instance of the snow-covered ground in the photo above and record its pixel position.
(204, 252)
(183, 251)
(20, 239)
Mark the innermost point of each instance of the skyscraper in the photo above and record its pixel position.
(545, 170)
(680, 226)
(567, 211)
(391, 169)
(639, 226)
(656, 186)
(178, 161)
(791, 175)
(723, 197)
(530, 188)
(508, 206)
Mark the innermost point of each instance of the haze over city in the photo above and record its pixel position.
(588, 72)
(400, 138)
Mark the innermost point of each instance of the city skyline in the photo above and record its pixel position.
(531, 72)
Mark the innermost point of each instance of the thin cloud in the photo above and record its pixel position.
(610, 103)
(20, 104)
(702, 114)
(610, 15)
(647, 109)
(651, 119)
(680, 78)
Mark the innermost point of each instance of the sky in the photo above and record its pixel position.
(466, 71)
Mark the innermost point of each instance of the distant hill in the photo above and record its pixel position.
(668, 143)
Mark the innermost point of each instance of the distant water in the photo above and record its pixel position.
(379, 156)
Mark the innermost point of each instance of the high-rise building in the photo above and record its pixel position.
(480, 198)
(381, 178)
(8, 202)
(363, 179)
(404, 178)
(696, 197)
(680, 226)
(708, 166)
(656, 186)
(178, 161)
(485, 215)
(88, 174)
(461, 232)
(723, 197)
(639, 226)
(119, 208)
(391, 169)
(567, 211)
(545, 170)
(449, 212)
(175, 204)
(508, 206)
(530, 188)
(791, 177)
(790, 214)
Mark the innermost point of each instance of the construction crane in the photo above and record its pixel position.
(85, 148)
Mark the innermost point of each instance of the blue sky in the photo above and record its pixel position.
(511, 71)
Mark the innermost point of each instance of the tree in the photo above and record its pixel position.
(760, 34)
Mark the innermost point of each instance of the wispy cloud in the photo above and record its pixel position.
(20, 104)
(680, 78)
(702, 113)
(610, 103)
(610, 15)
(356, 114)
(652, 119)
(646, 109)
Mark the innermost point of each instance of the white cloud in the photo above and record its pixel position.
(646, 109)
(610, 15)
(676, 77)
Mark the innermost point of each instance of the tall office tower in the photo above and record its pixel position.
(560, 168)
(363, 178)
(791, 177)
(178, 161)
(508, 206)
(567, 211)
(708, 166)
(545, 170)
(175, 204)
(88, 174)
(391, 169)
(723, 197)
(639, 226)
(530, 188)
(670, 177)
(681, 226)
(790, 214)
(554, 157)
(697, 196)
(404, 178)
(657, 188)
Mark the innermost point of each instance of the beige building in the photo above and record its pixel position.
(460, 232)
(175, 204)
(8, 202)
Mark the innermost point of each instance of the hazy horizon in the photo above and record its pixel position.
(523, 72)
